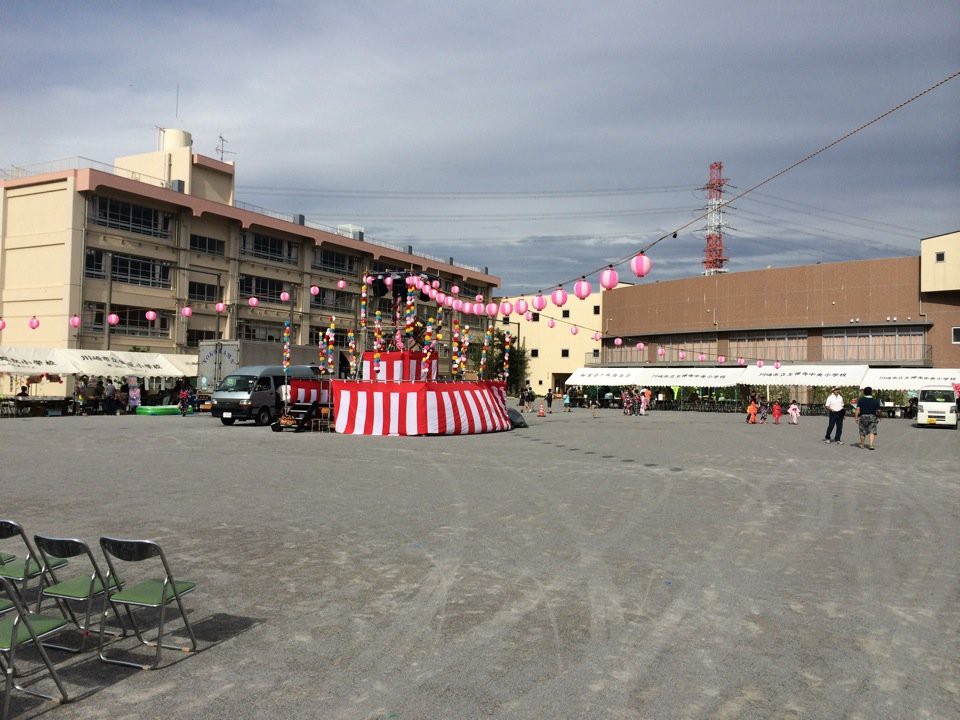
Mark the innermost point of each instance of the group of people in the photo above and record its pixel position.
(94, 396)
(635, 401)
(759, 410)
(866, 410)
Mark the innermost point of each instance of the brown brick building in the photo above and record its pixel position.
(897, 312)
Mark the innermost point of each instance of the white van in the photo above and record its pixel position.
(937, 405)
(253, 393)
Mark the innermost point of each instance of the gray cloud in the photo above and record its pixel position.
(521, 100)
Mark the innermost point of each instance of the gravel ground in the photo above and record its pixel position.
(680, 565)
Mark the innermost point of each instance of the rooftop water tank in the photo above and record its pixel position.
(171, 139)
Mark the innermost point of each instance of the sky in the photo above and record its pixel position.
(540, 140)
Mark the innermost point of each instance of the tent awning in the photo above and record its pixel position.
(605, 376)
(691, 376)
(909, 378)
(35, 361)
(814, 375)
(186, 364)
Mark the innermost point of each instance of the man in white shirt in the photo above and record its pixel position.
(836, 411)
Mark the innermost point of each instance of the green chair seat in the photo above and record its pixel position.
(149, 593)
(77, 588)
(6, 557)
(5, 605)
(42, 625)
(22, 570)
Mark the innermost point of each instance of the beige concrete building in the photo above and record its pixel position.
(162, 231)
(553, 353)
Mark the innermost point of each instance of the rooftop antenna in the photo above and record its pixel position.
(222, 147)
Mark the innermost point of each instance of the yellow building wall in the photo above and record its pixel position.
(944, 275)
(35, 264)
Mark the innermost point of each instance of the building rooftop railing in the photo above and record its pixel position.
(80, 163)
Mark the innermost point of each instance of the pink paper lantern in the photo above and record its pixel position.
(369, 279)
(759, 363)
(721, 359)
(701, 357)
(521, 307)
(581, 288)
(220, 307)
(284, 296)
(741, 361)
(448, 301)
(574, 330)
(441, 298)
(618, 341)
(682, 355)
(418, 283)
(528, 316)
(661, 352)
(388, 281)
(776, 365)
(435, 284)
(458, 305)
(559, 297)
(33, 323)
(478, 298)
(539, 302)
(75, 322)
(341, 283)
(113, 319)
(640, 346)
(314, 290)
(3, 323)
(187, 312)
(454, 289)
(479, 309)
(609, 278)
(253, 302)
(411, 280)
(596, 336)
(551, 323)
(492, 309)
(151, 315)
(506, 307)
(640, 264)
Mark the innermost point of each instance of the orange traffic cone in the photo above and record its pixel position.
(541, 413)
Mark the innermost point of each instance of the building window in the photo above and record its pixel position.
(564, 353)
(133, 321)
(536, 353)
(128, 269)
(941, 256)
(264, 332)
(596, 309)
(266, 289)
(535, 317)
(853, 344)
(336, 262)
(195, 336)
(596, 352)
(204, 244)
(204, 292)
(334, 301)
(127, 216)
(566, 314)
(269, 248)
(956, 336)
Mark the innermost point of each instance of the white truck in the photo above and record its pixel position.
(218, 358)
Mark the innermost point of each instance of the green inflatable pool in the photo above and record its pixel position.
(161, 410)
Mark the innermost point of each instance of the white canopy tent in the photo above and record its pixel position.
(909, 378)
(186, 364)
(691, 376)
(605, 376)
(35, 361)
(812, 375)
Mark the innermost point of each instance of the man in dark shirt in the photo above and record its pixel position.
(868, 415)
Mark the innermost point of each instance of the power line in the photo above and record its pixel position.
(773, 177)
(460, 195)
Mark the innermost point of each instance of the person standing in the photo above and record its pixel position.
(752, 411)
(549, 399)
(867, 412)
(109, 398)
(776, 411)
(794, 412)
(836, 411)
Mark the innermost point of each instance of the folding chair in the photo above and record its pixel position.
(82, 588)
(18, 629)
(154, 593)
(22, 571)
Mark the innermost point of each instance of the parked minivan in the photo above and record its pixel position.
(937, 405)
(253, 393)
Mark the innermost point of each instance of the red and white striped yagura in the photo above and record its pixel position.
(419, 408)
(399, 366)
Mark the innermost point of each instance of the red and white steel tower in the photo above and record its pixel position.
(714, 259)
